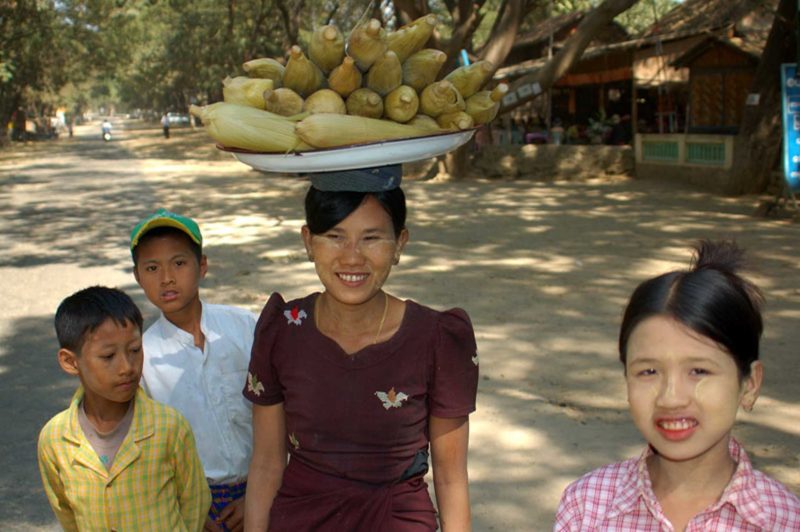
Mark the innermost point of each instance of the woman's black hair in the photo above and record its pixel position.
(85, 311)
(710, 298)
(326, 209)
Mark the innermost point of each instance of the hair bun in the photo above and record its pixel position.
(722, 255)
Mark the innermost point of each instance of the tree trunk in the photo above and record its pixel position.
(757, 145)
(571, 52)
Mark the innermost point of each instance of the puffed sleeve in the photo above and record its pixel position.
(262, 386)
(455, 366)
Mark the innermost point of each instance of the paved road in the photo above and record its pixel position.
(543, 269)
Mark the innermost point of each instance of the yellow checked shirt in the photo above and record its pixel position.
(156, 481)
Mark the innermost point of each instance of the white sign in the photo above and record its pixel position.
(510, 99)
(753, 98)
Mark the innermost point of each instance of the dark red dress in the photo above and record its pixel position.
(355, 423)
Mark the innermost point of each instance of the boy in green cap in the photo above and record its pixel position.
(196, 356)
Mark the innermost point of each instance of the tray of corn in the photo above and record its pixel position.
(358, 156)
(373, 97)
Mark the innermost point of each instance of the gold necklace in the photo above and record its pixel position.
(317, 313)
(383, 318)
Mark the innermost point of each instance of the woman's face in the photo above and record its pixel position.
(684, 390)
(354, 258)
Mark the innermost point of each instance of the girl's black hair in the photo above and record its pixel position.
(84, 311)
(711, 299)
(326, 209)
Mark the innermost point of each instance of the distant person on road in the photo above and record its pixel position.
(165, 125)
(115, 459)
(196, 357)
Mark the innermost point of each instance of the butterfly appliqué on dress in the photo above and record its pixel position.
(294, 441)
(391, 398)
(475, 359)
(253, 385)
(295, 316)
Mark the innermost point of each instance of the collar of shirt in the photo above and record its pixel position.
(741, 491)
(171, 331)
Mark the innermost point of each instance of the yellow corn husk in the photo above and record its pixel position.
(283, 101)
(345, 78)
(469, 79)
(421, 69)
(325, 101)
(401, 104)
(265, 68)
(386, 74)
(365, 102)
(440, 97)
(483, 105)
(245, 91)
(326, 48)
(330, 130)
(239, 126)
(412, 37)
(301, 75)
(367, 42)
(425, 122)
(455, 120)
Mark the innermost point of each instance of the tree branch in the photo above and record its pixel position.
(571, 51)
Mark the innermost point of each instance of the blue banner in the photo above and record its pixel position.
(790, 91)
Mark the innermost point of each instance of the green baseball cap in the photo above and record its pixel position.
(165, 218)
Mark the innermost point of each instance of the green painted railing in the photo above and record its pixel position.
(711, 153)
(660, 151)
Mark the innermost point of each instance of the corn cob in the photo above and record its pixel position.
(421, 69)
(367, 42)
(412, 37)
(265, 68)
(283, 101)
(365, 102)
(325, 101)
(483, 105)
(469, 79)
(301, 75)
(245, 91)
(440, 97)
(329, 130)
(239, 126)
(326, 48)
(401, 104)
(425, 122)
(345, 78)
(386, 74)
(455, 120)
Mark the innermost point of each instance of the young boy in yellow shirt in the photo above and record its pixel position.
(115, 459)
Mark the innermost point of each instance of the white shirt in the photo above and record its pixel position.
(206, 385)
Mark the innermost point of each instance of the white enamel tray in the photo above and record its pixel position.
(350, 157)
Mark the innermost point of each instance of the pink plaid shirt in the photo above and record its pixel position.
(620, 497)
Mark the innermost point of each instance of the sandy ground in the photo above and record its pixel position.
(543, 269)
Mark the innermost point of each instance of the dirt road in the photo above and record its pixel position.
(543, 270)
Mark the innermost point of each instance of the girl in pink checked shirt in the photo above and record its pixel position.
(689, 342)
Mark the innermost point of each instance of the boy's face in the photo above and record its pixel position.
(168, 272)
(109, 364)
(684, 390)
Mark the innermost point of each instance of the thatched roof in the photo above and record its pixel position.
(692, 17)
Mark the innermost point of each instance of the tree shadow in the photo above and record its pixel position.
(544, 270)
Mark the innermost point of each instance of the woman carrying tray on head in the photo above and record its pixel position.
(357, 385)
